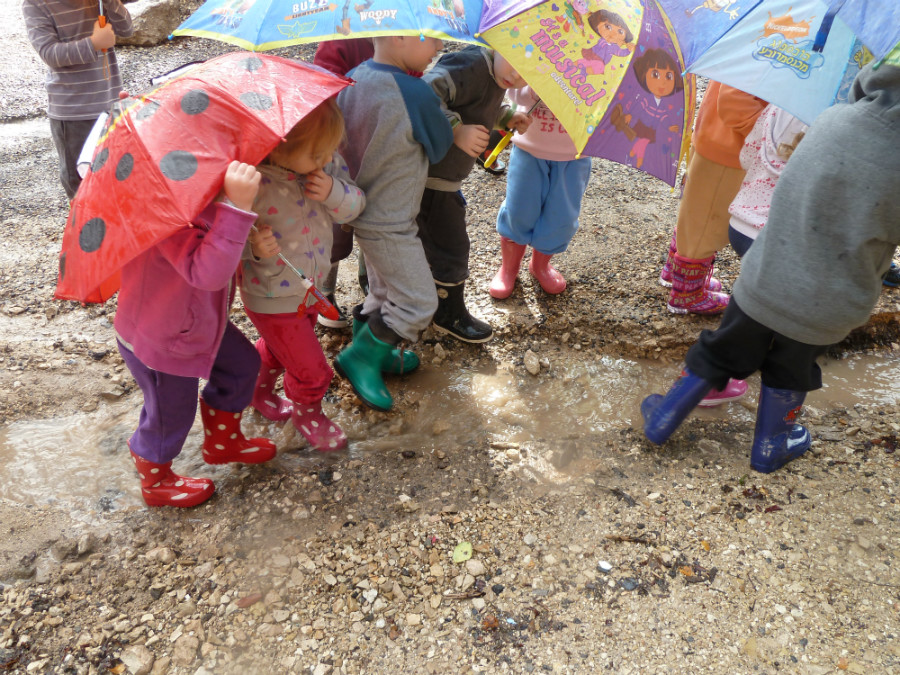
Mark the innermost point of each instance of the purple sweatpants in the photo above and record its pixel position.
(170, 401)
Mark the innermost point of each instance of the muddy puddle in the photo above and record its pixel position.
(81, 462)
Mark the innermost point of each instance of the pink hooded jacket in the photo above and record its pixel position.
(174, 300)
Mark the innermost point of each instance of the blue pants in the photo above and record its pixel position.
(740, 242)
(170, 401)
(543, 200)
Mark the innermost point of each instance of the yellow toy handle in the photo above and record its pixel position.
(495, 153)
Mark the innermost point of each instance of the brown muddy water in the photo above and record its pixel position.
(81, 462)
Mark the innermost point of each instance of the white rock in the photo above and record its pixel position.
(532, 363)
(475, 567)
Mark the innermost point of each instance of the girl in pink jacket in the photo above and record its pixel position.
(172, 328)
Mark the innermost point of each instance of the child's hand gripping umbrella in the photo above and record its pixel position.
(501, 146)
(324, 307)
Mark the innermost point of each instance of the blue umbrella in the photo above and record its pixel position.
(260, 25)
(797, 54)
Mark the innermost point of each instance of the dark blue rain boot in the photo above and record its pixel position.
(663, 414)
(777, 439)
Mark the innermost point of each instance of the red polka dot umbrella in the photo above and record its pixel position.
(162, 157)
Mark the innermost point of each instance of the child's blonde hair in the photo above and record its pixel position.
(321, 130)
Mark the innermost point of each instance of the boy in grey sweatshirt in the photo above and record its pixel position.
(813, 274)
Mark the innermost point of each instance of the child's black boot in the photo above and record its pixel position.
(778, 439)
(453, 318)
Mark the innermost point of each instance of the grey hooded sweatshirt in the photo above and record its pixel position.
(814, 272)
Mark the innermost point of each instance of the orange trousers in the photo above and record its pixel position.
(702, 225)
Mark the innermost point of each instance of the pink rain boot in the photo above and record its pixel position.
(550, 280)
(689, 288)
(265, 401)
(733, 391)
(665, 275)
(323, 434)
(504, 281)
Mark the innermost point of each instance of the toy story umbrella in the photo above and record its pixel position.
(260, 25)
(796, 54)
(162, 156)
(610, 70)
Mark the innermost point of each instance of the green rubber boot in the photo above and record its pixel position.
(401, 361)
(361, 363)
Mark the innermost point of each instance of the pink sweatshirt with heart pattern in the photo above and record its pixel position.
(303, 228)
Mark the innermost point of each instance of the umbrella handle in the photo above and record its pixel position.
(101, 20)
(322, 303)
(489, 162)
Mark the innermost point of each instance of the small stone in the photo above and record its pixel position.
(138, 659)
(475, 567)
(413, 619)
(185, 650)
(532, 363)
(529, 539)
(161, 554)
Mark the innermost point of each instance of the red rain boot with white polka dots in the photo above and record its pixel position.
(160, 486)
(323, 434)
(224, 442)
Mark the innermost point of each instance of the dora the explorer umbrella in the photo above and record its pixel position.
(610, 70)
(163, 154)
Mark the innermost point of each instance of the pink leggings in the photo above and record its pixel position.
(290, 343)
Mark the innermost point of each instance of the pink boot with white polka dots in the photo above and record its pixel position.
(323, 434)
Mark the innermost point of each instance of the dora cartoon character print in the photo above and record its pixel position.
(658, 75)
(614, 38)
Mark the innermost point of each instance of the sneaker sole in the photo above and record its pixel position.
(332, 323)
(446, 331)
(682, 310)
(712, 403)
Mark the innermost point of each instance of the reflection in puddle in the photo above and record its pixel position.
(82, 460)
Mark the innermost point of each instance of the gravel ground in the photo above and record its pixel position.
(621, 556)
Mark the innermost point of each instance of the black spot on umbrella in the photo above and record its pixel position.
(178, 165)
(100, 160)
(195, 102)
(255, 100)
(124, 167)
(252, 63)
(62, 266)
(146, 110)
(92, 234)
